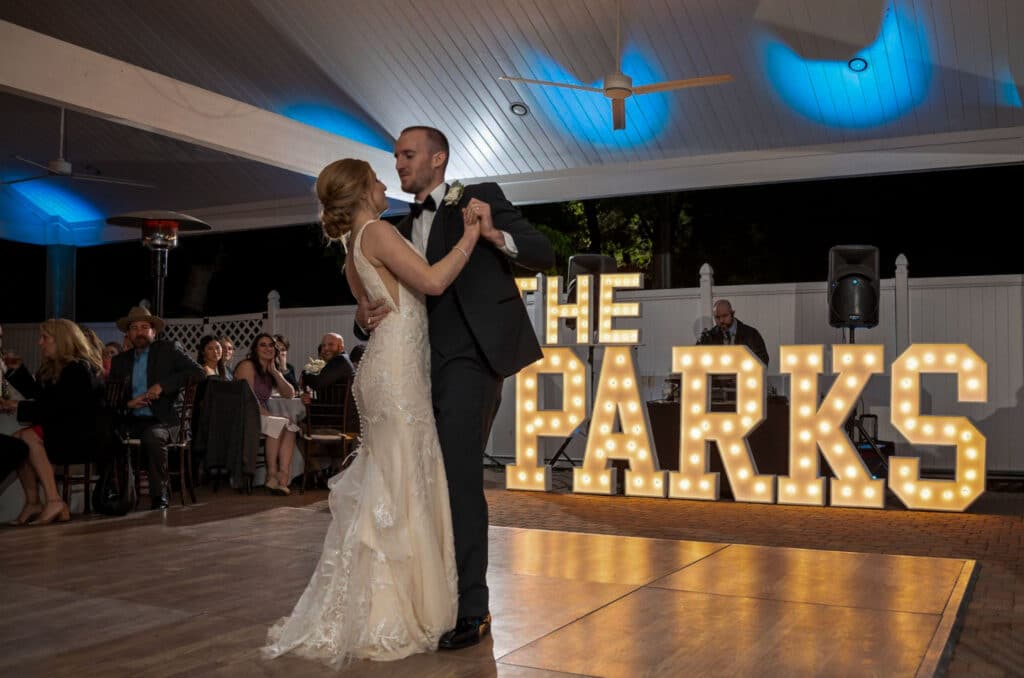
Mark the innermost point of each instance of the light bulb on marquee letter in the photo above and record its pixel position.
(580, 309)
(728, 429)
(529, 471)
(608, 309)
(972, 386)
(530, 284)
(812, 428)
(617, 393)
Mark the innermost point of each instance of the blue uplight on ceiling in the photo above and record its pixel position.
(52, 197)
(1007, 91)
(896, 80)
(339, 122)
(588, 115)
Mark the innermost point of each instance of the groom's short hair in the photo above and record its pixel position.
(435, 137)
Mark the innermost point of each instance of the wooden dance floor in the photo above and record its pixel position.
(192, 594)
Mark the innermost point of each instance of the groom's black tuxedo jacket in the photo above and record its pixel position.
(484, 299)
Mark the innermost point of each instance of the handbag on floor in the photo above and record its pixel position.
(115, 490)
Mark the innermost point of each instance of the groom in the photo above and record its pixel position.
(480, 333)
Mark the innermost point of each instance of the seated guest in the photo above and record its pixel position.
(286, 368)
(62, 412)
(156, 372)
(228, 348)
(357, 353)
(336, 366)
(336, 369)
(211, 357)
(110, 349)
(15, 381)
(12, 453)
(96, 345)
(260, 369)
(16, 374)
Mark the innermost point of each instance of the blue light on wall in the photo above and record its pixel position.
(896, 79)
(1007, 91)
(48, 212)
(587, 115)
(55, 199)
(339, 122)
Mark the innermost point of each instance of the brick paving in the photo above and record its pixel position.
(991, 641)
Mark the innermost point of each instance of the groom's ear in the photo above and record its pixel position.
(439, 159)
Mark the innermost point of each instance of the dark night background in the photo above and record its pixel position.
(947, 223)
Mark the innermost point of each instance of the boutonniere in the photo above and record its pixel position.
(454, 193)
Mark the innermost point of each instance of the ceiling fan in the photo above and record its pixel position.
(618, 86)
(60, 167)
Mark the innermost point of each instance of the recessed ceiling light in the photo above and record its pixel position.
(857, 64)
(518, 108)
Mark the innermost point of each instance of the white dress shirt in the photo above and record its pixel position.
(422, 224)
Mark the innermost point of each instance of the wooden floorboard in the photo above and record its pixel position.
(192, 591)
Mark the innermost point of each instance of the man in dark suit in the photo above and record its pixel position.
(480, 333)
(337, 365)
(729, 330)
(337, 368)
(155, 372)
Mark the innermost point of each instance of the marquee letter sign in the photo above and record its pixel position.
(619, 426)
(972, 386)
(812, 428)
(728, 429)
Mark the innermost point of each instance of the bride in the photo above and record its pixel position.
(386, 584)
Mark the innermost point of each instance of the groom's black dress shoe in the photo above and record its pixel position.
(468, 631)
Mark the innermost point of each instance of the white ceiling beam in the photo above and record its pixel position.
(44, 68)
(957, 150)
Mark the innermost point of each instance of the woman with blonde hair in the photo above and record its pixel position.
(62, 415)
(96, 347)
(386, 584)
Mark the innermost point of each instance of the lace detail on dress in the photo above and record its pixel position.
(386, 583)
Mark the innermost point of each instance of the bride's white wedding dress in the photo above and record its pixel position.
(386, 585)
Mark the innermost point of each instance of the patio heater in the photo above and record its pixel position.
(159, 235)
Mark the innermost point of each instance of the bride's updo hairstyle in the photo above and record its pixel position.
(342, 188)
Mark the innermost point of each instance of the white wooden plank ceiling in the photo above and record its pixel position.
(942, 88)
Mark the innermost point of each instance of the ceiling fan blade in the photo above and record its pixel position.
(32, 162)
(682, 84)
(552, 84)
(112, 180)
(18, 181)
(618, 114)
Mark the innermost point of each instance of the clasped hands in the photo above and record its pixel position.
(479, 211)
(146, 398)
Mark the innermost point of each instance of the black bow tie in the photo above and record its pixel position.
(416, 209)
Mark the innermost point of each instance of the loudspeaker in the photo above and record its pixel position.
(584, 264)
(853, 288)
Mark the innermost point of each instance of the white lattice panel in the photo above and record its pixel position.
(242, 329)
(185, 331)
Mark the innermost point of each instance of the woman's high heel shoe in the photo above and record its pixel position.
(28, 514)
(61, 515)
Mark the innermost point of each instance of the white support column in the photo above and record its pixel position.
(902, 304)
(273, 306)
(707, 284)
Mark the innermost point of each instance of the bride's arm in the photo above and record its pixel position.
(383, 244)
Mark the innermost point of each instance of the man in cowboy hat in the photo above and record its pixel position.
(155, 372)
